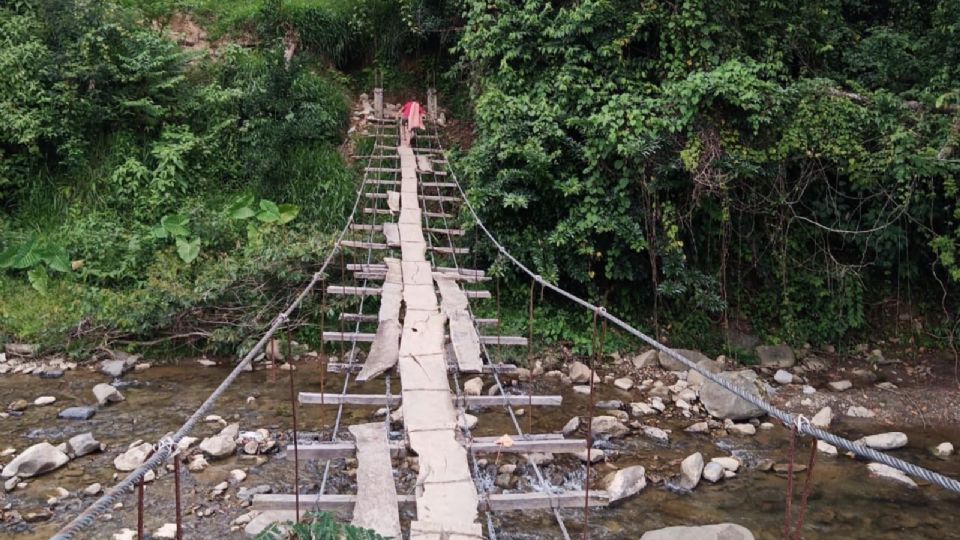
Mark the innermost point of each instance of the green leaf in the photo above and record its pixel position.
(269, 212)
(288, 212)
(176, 225)
(27, 255)
(188, 250)
(56, 258)
(7, 257)
(159, 232)
(242, 208)
(39, 279)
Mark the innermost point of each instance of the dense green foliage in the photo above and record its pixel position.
(787, 162)
(154, 183)
(317, 526)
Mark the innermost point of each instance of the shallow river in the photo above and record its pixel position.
(845, 502)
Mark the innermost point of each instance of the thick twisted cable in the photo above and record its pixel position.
(163, 451)
(787, 418)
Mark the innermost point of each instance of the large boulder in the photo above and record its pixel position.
(37, 459)
(106, 393)
(646, 359)
(722, 531)
(223, 444)
(625, 483)
(722, 403)
(133, 457)
(608, 427)
(669, 363)
(83, 444)
(885, 441)
(775, 356)
(712, 366)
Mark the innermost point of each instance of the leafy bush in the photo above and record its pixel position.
(317, 526)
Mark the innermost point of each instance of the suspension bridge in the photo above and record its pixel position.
(401, 260)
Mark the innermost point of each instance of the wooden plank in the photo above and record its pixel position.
(365, 227)
(447, 250)
(430, 530)
(338, 367)
(439, 215)
(367, 337)
(316, 398)
(424, 164)
(376, 506)
(463, 334)
(347, 449)
(384, 352)
(378, 211)
(356, 291)
(393, 201)
(392, 233)
(440, 198)
(375, 195)
(450, 185)
(448, 232)
(384, 182)
(364, 318)
(498, 502)
(382, 169)
(362, 245)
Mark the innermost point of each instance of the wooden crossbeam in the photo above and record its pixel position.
(384, 182)
(314, 398)
(496, 502)
(375, 195)
(379, 211)
(375, 291)
(367, 337)
(362, 245)
(355, 317)
(338, 367)
(365, 227)
(442, 215)
(449, 232)
(346, 449)
(382, 169)
(440, 198)
(447, 250)
(438, 184)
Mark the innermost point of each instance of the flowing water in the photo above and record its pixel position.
(845, 502)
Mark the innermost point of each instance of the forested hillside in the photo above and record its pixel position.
(791, 164)
(788, 169)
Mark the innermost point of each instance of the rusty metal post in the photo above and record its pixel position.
(588, 466)
(293, 409)
(140, 509)
(176, 487)
(788, 511)
(807, 487)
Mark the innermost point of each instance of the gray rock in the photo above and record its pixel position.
(695, 378)
(741, 429)
(37, 459)
(44, 400)
(713, 472)
(778, 356)
(860, 412)
(840, 386)
(783, 376)
(106, 393)
(691, 469)
(93, 489)
(246, 494)
(827, 448)
(473, 387)
(646, 360)
(671, 364)
(699, 427)
(886, 472)
(656, 433)
(77, 413)
(722, 531)
(51, 374)
(625, 483)
(11, 483)
(641, 409)
(609, 404)
(885, 441)
(133, 457)
(223, 444)
(608, 426)
(623, 383)
(596, 455)
(20, 349)
(722, 403)
(83, 444)
(823, 418)
(571, 425)
(113, 368)
(580, 373)
(943, 450)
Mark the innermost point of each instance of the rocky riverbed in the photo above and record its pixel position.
(677, 451)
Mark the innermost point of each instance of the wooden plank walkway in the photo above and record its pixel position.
(376, 507)
(445, 492)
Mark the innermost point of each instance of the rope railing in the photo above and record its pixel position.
(165, 447)
(787, 418)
